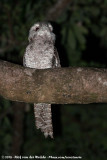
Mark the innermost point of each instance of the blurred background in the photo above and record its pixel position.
(81, 40)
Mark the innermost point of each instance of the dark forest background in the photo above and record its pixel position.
(81, 40)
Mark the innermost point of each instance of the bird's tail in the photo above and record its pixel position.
(43, 118)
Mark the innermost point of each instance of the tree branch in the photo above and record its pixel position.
(57, 10)
(59, 85)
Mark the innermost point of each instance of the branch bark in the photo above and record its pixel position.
(57, 86)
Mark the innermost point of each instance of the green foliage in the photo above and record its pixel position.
(6, 127)
(84, 129)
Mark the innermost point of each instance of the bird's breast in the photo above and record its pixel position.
(40, 57)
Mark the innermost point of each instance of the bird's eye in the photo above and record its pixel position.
(51, 28)
(36, 28)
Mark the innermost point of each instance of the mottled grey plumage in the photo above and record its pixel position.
(41, 53)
